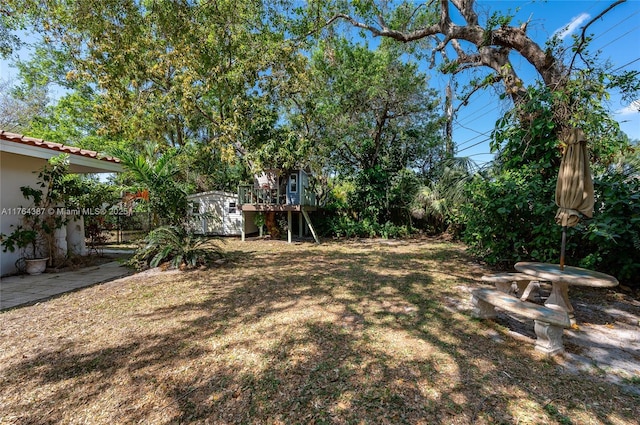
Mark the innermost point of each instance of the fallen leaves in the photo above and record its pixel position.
(273, 337)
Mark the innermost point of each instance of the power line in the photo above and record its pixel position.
(474, 145)
(471, 139)
(481, 115)
(618, 38)
(616, 25)
(626, 64)
(471, 129)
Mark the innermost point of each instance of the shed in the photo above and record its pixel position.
(217, 213)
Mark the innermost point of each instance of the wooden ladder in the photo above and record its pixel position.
(306, 217)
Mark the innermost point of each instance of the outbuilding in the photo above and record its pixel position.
(275, 191)
(217, 213)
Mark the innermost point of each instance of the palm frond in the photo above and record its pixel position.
(178, 246)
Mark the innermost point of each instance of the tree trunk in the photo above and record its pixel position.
(272, 225)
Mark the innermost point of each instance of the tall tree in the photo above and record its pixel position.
(19, 107)
(9, 22)
(374, 116)
(467, 40)
(166, 70)
(373, 109)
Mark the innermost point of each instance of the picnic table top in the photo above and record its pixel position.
(569, 274)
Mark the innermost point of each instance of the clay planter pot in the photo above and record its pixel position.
(36, 266)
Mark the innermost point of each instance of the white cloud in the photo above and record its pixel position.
(632, 108)
(567, 30)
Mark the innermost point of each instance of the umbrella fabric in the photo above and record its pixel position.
(574, 190)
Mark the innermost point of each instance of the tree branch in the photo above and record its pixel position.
(465, 100)
(350, 159)
(465, 7)
(377, 136)
(387, 32)
(583, 40)
(493, 45)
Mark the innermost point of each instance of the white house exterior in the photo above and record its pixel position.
(217, 213)
(20, 156)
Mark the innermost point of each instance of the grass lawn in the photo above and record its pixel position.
(340, 333)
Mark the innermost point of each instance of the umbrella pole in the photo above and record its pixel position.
(562, 246)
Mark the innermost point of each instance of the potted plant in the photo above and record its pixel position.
(29, 242)
(35, 236)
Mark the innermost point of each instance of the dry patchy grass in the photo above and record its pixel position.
(341, 333)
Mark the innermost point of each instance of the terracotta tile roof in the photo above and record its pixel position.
(31, 141)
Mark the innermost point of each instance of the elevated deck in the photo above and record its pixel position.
(275, 207)
(251, 198)
(264, 199)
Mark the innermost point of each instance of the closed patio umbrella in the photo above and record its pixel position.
(574, 189)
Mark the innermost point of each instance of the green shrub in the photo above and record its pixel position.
(611, 240)
(511, 218)
(343, 226)
(178, 246)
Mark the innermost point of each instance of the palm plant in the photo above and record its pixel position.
(178, 246)
(437, 201)
(158, 174)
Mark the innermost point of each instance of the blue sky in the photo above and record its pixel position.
(617, 35)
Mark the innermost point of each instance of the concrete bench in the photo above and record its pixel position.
(548, 322)
(526, 286)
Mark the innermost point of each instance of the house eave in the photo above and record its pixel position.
(78, 163)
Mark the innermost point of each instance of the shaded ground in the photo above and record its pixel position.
(343, 333)
(605, 342)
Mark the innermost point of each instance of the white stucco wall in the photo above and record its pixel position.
(75, 236)
(15, 171)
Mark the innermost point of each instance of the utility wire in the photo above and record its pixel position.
(471, 129)
(474, 145)
(485, 112)
(618, 38)
(478, 154)
(626, 64)
(471, 140)
(615, 26)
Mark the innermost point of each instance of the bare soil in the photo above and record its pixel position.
(374, 332)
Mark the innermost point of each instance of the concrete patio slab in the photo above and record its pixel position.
(22, 290)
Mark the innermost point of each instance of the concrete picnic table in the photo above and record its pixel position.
(504, 281)
(561, 279)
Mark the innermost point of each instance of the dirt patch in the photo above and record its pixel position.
(606, 340)
(77, 263)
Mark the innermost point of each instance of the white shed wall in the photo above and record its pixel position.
(15, 171)
(227, 218)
